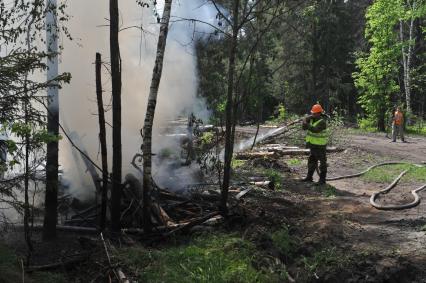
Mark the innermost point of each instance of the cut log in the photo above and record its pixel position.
(254, 155)
(273, 148)
(275, 153)
(243, 193)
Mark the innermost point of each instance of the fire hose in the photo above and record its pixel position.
(386, 190)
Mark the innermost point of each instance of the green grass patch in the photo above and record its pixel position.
(416, 130)
(325, 260)
(237, 163)
(274, 176)
(388, 173)
(329, 191)
(208, 258)
(294, 162)
(284, 242)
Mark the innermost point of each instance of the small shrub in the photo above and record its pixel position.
(367, 124)
(207, 138)
(284, 242)
(275, 177)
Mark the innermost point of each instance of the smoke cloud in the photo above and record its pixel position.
(178, 87)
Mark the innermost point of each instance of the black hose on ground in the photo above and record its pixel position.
(386, 190)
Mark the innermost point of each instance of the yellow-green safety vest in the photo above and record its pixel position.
(320, 138)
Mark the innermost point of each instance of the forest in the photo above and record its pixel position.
(212, 141)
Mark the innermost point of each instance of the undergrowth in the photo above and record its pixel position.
(207, 258)
(275, 177)
(11, 270)
(325, 260)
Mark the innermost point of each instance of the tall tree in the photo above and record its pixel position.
(379, 69)
(233, 41)
(116, 117)
(150, 113)
(51, 196)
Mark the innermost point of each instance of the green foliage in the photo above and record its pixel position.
(335, 128)
(207, 138)
(294, 162)
(378, 76)
(418, 128)
(326, 259)
(282, 113)
(237, 163)
(387, 173)
(367, 124)
(329, 191)
(275, 177)
(208, 258)
(284, 242)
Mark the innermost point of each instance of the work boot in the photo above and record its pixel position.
(322, 178)
(307, 179)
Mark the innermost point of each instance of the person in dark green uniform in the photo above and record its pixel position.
(316, 141)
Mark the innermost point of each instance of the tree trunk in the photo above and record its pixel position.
(407, 55)
(149, 116)
(116, 116)
(51, 197)
(409, 59)
(229, 109)
(102, 139)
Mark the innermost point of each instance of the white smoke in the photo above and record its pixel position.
(178, 87)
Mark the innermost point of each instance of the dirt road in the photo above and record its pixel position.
(414, 150)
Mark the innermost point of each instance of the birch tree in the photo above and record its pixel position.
(150, 113)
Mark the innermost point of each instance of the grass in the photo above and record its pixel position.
(237, 163)
(208, 258)
(284, 242)
(275, 177)
(329, 191)
(294, 162)
(416, 130)
(325, 260)
(11, 271)
(387, 173)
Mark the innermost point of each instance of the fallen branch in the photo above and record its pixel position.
(192, 224)
(57, 264)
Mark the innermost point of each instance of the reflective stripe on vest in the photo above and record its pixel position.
(320, 138)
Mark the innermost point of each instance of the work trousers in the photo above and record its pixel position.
(317, 153)
(397, 129)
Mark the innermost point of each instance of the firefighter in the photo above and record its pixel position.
(316, 141)
(398, 125)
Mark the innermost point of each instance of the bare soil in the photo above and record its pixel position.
(386, 246)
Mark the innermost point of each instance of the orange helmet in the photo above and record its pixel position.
(317, 109)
